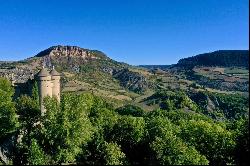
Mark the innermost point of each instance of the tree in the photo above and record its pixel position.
(171, 150)
(36, 155)
(241, 151)
(177, 116)
(28, 110)
(130, 110)
(104, 120)
(167, 105)
(29, 114)
(129, 132)
(35, 95)
(100, 152)
(113, 154)
(66, 127)
(8, 116)
(210, 139)
(166, 147)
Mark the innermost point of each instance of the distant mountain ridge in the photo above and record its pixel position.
(91, 69)
(162, 67)
(224, 58)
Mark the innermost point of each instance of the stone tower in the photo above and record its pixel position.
(48, 85)
(44, 86)
(55, 79)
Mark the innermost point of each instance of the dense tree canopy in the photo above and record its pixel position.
(85, 129)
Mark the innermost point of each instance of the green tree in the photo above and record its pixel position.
(177, 116)
(100, 152)
(92, 152)
(129, 132)
(171, 150)
(8, 116)
(241, 151)
(35, 95)
(36, 155)
(166, 147)
(210, 139)
(130, 110)
(29, 116)
(28, 110)
(66, 127)
(113, 154)
(104, 121)
(167, 105)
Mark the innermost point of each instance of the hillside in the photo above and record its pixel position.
(222, 58)
(83, 70)
(162, 67)
(225, 70)
(115, 113)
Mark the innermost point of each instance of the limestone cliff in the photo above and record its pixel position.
(71, 51)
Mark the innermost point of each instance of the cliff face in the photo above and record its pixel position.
(71, 51)
(69, 56)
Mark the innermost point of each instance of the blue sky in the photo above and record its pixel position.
(131, 31)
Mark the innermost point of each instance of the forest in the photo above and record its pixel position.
(226, 58)
(86, 129)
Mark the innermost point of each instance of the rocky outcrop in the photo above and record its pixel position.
(131, 80)
(69, 57)
(70, 51)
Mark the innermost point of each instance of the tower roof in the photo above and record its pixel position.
(43, 73)
(53, 72)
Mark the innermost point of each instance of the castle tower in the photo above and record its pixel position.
(55, 78)
(12, 79)
(44, 86)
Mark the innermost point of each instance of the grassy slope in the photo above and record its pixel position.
(94, 77)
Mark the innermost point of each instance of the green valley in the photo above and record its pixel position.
(195, 112)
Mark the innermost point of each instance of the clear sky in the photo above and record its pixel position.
(131, 31)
